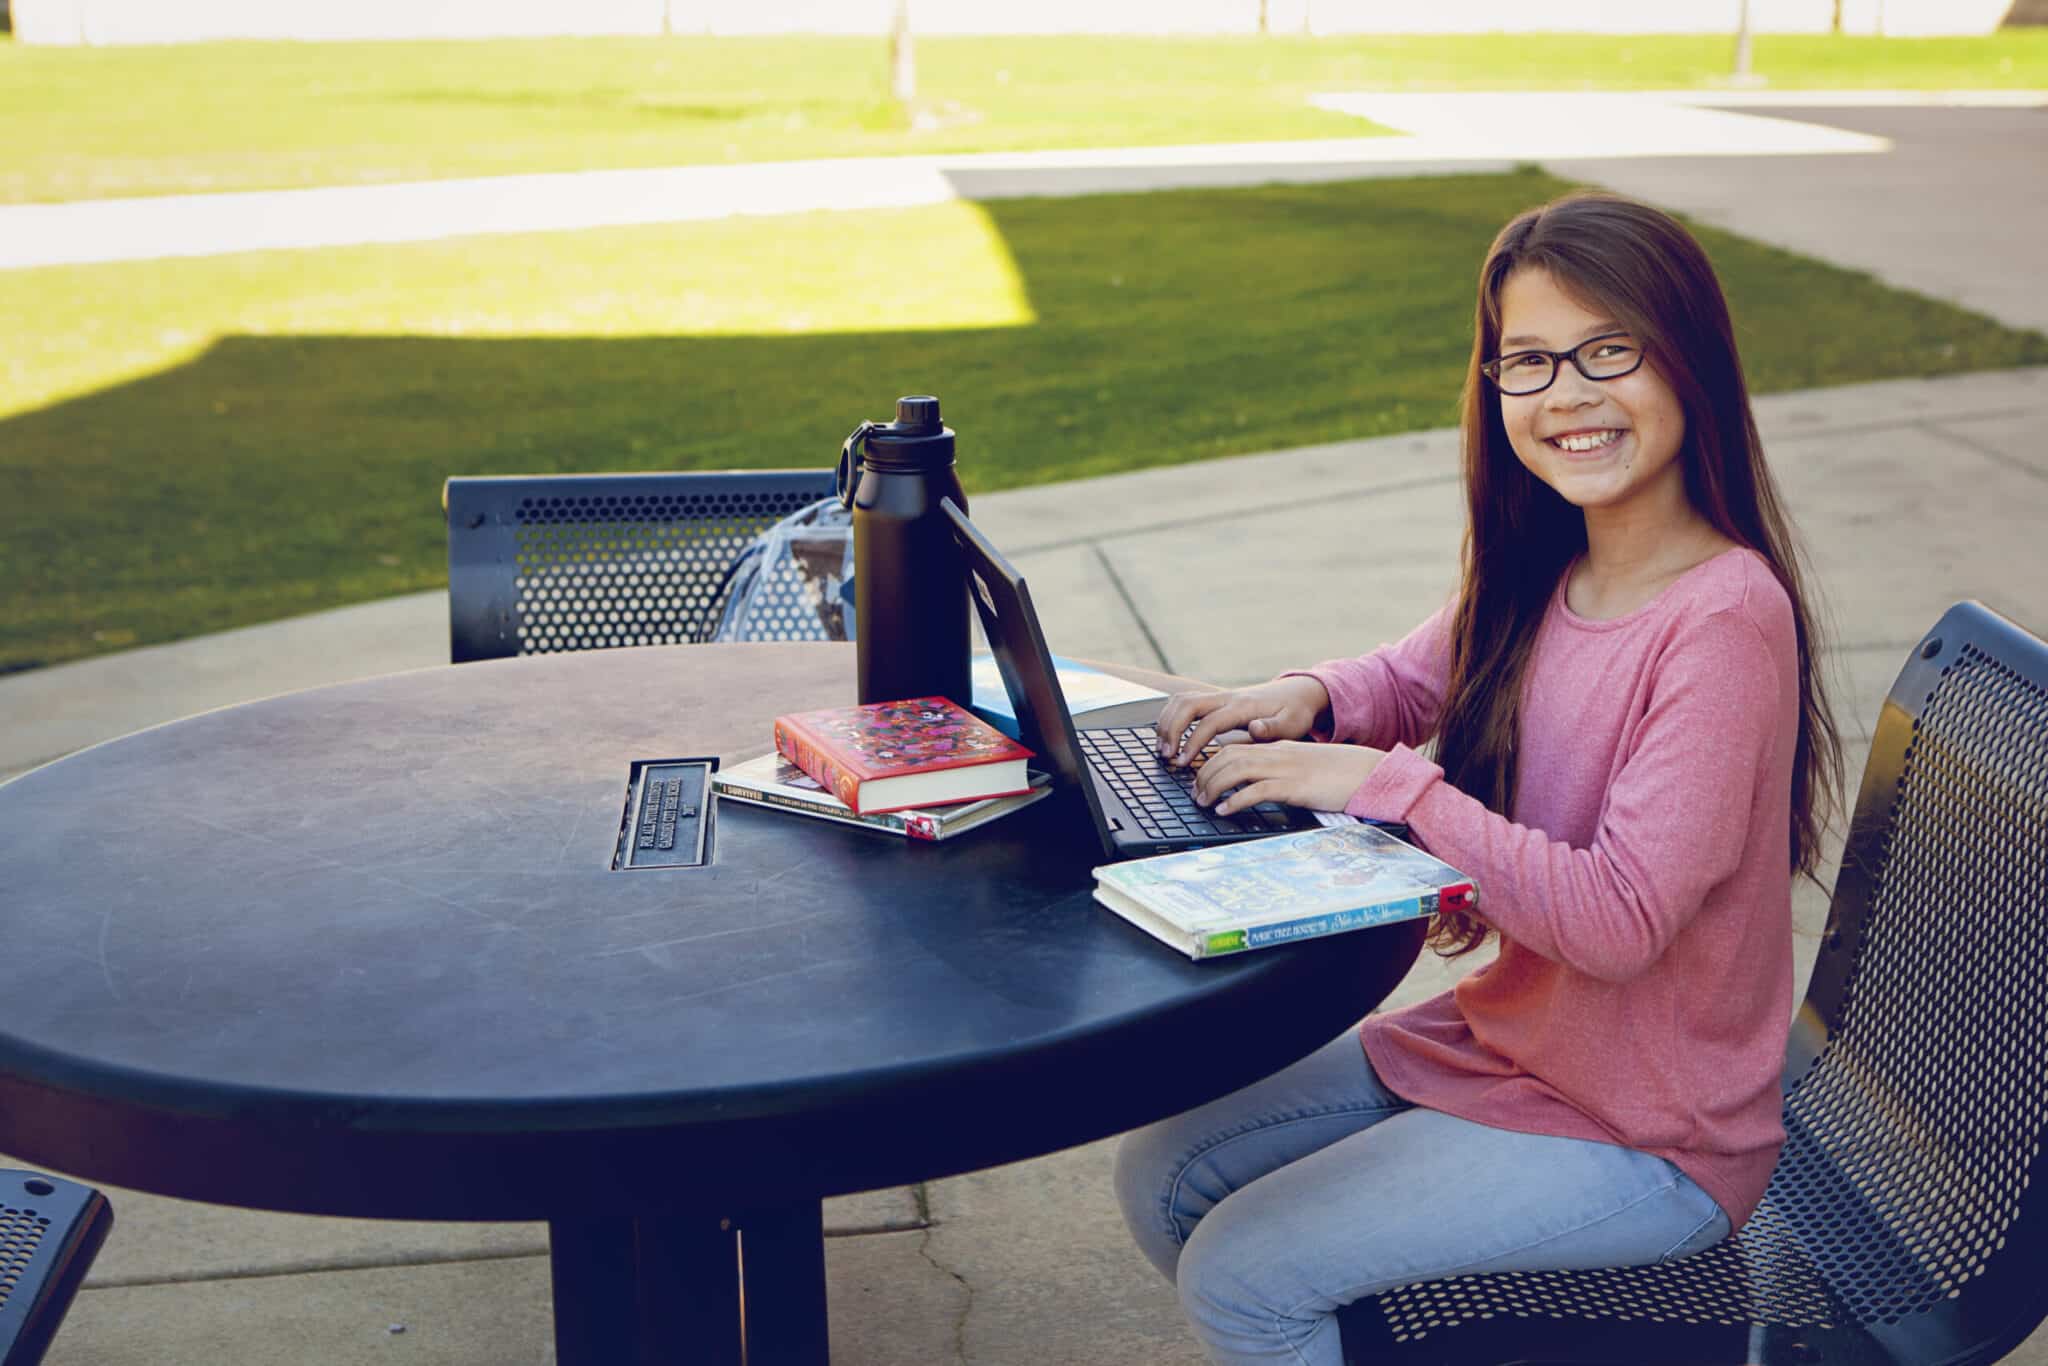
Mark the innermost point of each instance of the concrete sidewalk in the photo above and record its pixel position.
(1434, 134)
(1438, 135)
(1911, 495)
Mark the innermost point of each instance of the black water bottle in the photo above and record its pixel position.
(909, 582)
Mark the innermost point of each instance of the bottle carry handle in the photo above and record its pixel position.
(850, 464)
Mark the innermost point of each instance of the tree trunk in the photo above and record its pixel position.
(902, 61)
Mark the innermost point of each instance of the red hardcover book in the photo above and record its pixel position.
(886, 756)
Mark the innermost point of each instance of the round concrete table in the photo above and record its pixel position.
(361, 951)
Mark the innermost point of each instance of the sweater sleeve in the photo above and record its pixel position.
(1393, 695)
(1673, 823)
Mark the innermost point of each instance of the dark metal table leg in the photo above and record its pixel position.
(597, 1298)
(782, 1258)
(689, 1291)
(645, 1292)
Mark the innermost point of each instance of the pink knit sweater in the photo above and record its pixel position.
(1643, 989)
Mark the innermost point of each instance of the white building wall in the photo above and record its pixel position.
(169, 21)
(160, 21)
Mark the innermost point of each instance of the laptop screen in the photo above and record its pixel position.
(1043, 722)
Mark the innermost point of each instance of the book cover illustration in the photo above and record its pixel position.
(1346, 868)
(848, 746)
(778, 771)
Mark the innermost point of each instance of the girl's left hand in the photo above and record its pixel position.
(1322, 777)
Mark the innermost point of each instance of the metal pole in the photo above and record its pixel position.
(1742, 71)
(902, 61)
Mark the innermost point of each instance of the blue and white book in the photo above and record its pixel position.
(1232, 898)
(1085, 687)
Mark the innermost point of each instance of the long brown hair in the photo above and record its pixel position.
(1642, 268)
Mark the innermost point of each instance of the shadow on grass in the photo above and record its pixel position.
(275, 475)
(272, 475)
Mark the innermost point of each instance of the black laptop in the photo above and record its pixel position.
(1139, 803)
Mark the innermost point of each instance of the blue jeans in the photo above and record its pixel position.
(1274, 1206)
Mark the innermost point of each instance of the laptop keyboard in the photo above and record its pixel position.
(1160, 797)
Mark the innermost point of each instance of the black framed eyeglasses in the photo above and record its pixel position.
(1607, 356)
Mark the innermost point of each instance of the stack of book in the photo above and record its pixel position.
(923, 767)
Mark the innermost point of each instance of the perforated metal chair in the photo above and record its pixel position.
(544, 563)
(50, 1231)
(1907, 1219)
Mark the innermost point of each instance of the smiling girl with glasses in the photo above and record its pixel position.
(1633, 755)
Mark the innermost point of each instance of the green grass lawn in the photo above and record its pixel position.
(193, 445)
(98, 122)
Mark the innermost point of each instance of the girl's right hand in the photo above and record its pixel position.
(1284, 709)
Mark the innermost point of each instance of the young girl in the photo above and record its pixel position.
(1633, 755)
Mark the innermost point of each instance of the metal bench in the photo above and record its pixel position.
(50, 1231)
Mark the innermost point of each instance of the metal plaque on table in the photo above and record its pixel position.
(668, 817)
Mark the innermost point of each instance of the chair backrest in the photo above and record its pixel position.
(50, 1231)
(1917, 1075)
(1907, 1217)
(544, 563)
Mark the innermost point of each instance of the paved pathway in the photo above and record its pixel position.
(1439, 134)
(1957, 207)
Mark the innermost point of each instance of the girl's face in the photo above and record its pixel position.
(1602, 444)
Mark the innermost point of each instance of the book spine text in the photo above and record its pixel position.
(1315, 926)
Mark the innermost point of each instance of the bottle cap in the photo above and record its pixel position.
(918, 410)
(916, 440)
